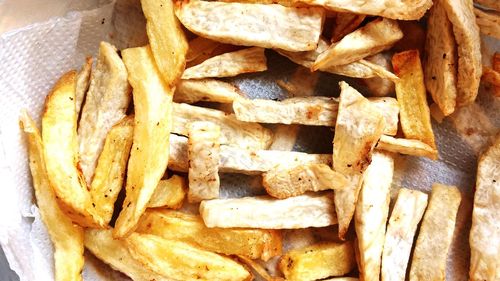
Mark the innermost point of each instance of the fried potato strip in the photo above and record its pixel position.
(82, 83)
(192, 91)
(169, 193)
(488, 22)
(491, 4)
(407, 146)
(200, 47)
(345, 23)
(492, 77)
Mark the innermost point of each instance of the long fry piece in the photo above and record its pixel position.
(407, 146)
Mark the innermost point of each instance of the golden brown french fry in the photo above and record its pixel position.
(180, 261)
(436, 234)
(253, 243)
(492, 77)
(488, 22)
(345, 23)
(66, 237)
(407, 146)
(484, 236)
(318, 261)
(192, 91)
(82, 83)
(414, 111)
(149, 156)
(169, 193)
(287, 182)
(252, 25)
(166, 37)
(200, 47)
(491, 4)
(229, 64)
(407, 213)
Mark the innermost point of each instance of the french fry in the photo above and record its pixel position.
(106, 103)
(488, 22)
(252, 243)
(381, 86)
(200, 47)
(180, 261)
(204, 158)
(407, 213)
(342, 279)
(491, 4)
(436, 234)
(370, 39)
(66, 237)
(372, 210)
(440, 65)
(466, 31)
(259, 268)
(265, 212)
(410, 90)
(82, 83)
(407, 146)
(229, 64)
(285, 137)
(345, 23)
(153, 118)
(484, 235)
(166, 37)
(169, 193)
(318, 261)
(251, 26)
(492, 77)
(192, 91)
(287, 182)
(115, 253)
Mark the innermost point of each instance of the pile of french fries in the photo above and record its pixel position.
(132, 125)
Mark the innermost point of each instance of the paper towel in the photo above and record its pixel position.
(33, 57)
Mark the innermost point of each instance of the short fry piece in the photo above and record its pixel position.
(153, 118)
(265, 212)
(252, 243)
(345, 23)
(407, 213)
(410, 91)
(166, 37)
(169, 193)
(229, 64)
(436, 234)
(318, 261)
(484, 236)
(287, 182)
(488, 22)
(181, 261)
(407, 146)
(82, 83)
(191, 91)
(294, 29)
(66, 237)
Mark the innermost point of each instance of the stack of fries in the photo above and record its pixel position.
(133, 125)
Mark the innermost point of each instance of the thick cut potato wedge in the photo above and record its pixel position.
(192, 91)
(180, 261)
(484, 236)
(265, 212)
(407, 213)
(106, 103)
(82, 83)
(288, 182)
(66, 237)
(229, 64)
(407, 146)
(345, 23)
(436, 234)
(153, 121)
(166, 37)
(488, 22)
(371, 214)
(441, 65)
(169, 193)
(370, 39)
(318, 261)
(414, 111)
(252, 243)
(260, 25)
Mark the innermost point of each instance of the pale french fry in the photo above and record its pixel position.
(436, 234)
(370, 39)
(257, 267)
(192, 91)
(268, 213)
(169, 193)
(359, 126)
(488, 22)
(105, 104)
(484, 236)
(180, 261)
(318, 261)
(407, 213)
(66, 237)
(440, 65)
(372, 210)
(200, 47)
(153, 118)
(82, 83)
(287, 182)
(491, 4)
(345, 23)
(252, 25)
(407, 146)
(166, 37)
(389, 108)
(229, 64)
(410, 90)
(233, 131)
(252, 243)
(285, 137)
(111, 168)
(115, 253)
(466, 31)
(203, 159)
